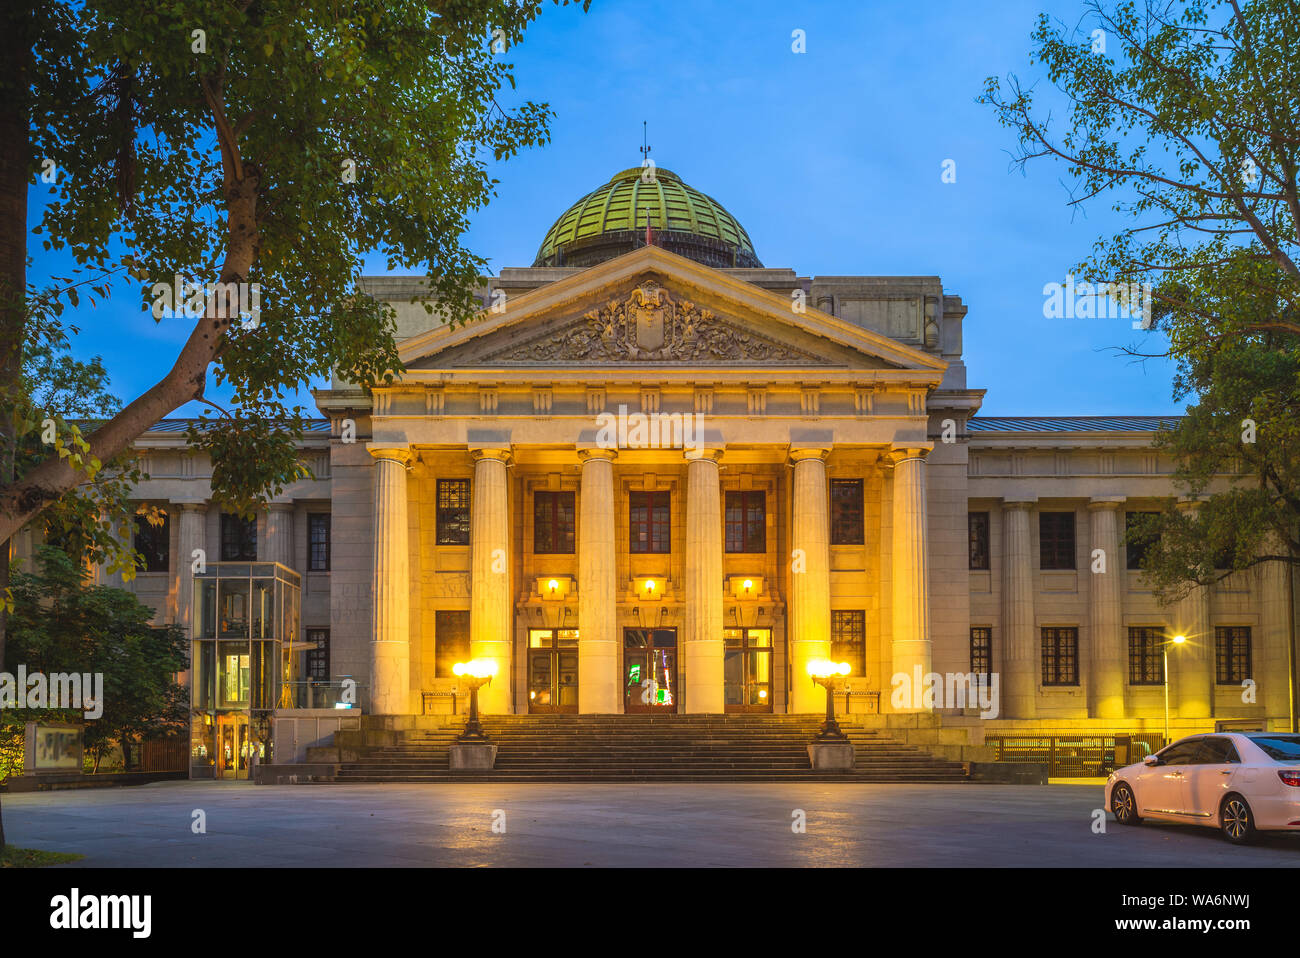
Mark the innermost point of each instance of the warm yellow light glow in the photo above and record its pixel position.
(762, 693)
(649, 585)
(553, 585)
(821, 668)
(749, 584)
(1179, 639)
(478, 668)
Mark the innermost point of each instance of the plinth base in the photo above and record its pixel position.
(830, 756)
(472, 756)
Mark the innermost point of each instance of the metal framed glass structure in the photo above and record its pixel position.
(247, 655)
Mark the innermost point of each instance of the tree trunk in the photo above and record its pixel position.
(17, 30)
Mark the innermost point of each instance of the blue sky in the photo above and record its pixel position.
(831, 159)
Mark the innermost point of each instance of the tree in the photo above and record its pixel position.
(1185, 116)
(60, 624)
(257, 150)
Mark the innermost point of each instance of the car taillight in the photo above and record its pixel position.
(1290, 776)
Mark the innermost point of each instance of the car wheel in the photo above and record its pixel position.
(1123, 803)
(1236, 820)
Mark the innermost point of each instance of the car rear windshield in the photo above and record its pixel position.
(1281, 748)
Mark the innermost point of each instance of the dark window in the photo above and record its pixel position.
(1232, 654)
(978, 525)
(849, 640)
(1135, 546)
(1056, 540)
(1216, 750)
(1146, 656)
(553, 525)
(846, 512)
(450, 642)
(318, 541)
(981, 650)
(153, 542)
(453, 512)
(648, 522)
(318, 659)
(746, 521)
(1280, 748)
(1183, 753)
(238, 539)
(1061, 656)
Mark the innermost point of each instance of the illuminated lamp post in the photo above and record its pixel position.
(476, 674)
(1176, 640)
(829, 675)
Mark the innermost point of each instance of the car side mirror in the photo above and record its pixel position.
(1151, 760)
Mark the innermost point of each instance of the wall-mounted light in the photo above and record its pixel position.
(554, 586)
(745, 586)
(649, 588)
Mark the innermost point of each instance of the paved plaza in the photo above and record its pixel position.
(348, 826)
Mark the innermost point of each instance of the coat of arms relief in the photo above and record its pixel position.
(652, 325)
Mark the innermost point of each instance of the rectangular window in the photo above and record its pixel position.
(553, 525)
(648, 522)
(1056, 540)
(1146, 664)
(153, 542)
(978, 525)
(238, 539)
(846, 512)
(746, 522)
(1061, 656)
(450, 642)
(453, 512)
(318, 659)
(318, 541)
(1232, 654)
(849, 640)
(1135, 548)
(981, 650)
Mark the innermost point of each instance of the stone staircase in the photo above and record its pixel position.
(646, 748)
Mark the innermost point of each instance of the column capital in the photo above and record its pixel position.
(398, 454)
(1018, 505)
(588, 453)
(710, 453)
(1098, 503)
(282, 506)
(191, 505)
(500, 453)
(899, 454)
(803, 453)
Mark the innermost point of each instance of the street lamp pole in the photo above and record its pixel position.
(1177, 640)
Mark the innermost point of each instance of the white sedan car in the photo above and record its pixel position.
(1237, 782)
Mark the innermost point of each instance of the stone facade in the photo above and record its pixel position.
(729, 386)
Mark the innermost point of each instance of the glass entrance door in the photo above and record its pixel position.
(650, 670)
(747, 670)
(233, 746)
(553, 670)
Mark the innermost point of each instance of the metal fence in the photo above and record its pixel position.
(1075, 754)
(165, 755)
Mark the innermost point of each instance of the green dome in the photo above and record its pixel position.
(611, 220)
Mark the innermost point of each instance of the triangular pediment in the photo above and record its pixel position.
(652, 307)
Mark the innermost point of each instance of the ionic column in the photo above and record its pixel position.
(1270, 659)
(810, 577)
(598, 679)
(491, 621)
(702, 648)
(911, 646)
(1105, 594)
(1192, 663)
(190, 538)
(1020, 657)
(279, 533)
(390, 648)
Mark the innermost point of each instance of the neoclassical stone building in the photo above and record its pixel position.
(661, 476)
